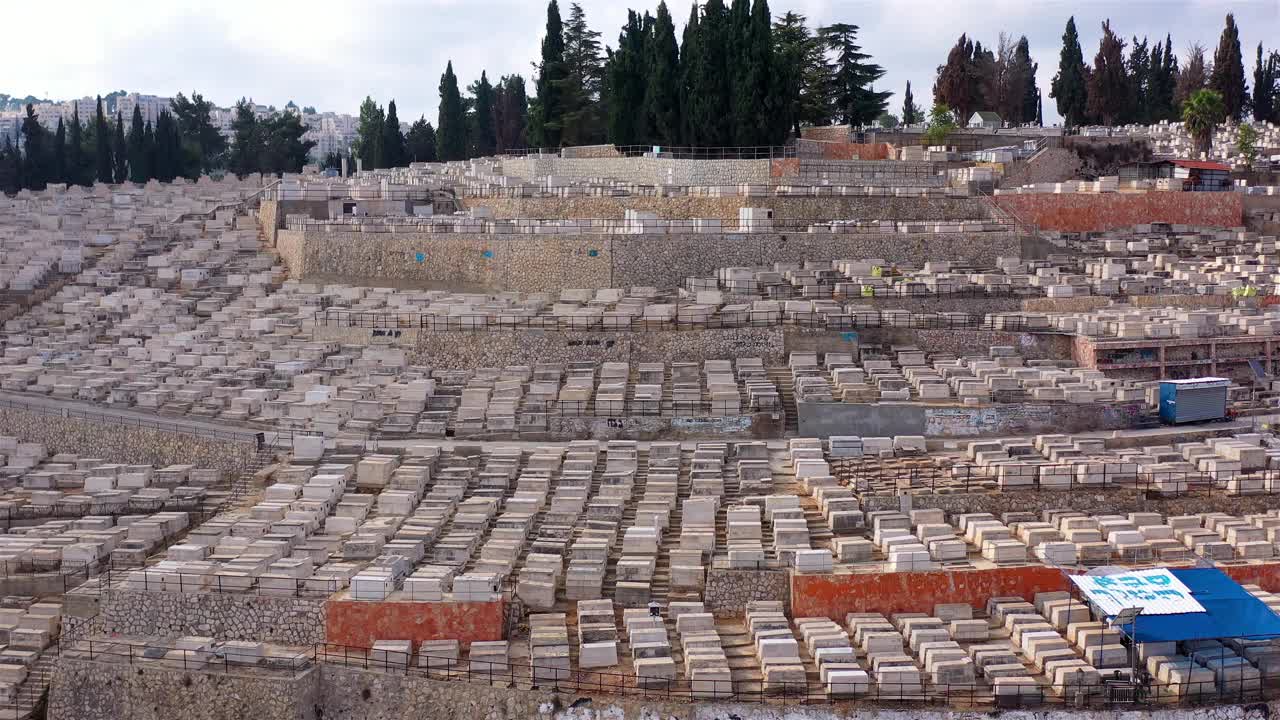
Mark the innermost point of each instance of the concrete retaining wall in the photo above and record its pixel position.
(537, 263)
(125, 444)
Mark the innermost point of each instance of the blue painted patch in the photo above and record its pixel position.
(487, 253)
(420, 257)
(593, 253)
(849, 336)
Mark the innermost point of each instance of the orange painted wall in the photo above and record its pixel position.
(1083, 212)
(358, 624)
(1266, 576)
(835, 596)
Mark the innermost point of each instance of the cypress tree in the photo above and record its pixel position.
(119, 153)
(138, 172)
(102, 145)
(1228, 71)
(420, 145)
(956, 85)
(36, 165)
(369, 137)
(484, 137)
(149, 150)
(1266, 74)
(661, 99)
(690, 51)
(713, 77)
(1109, 99)
(59, 170)
(1138, 67)
(910, 113)
(451, 125)
(10, 168)
(75, 171)
(392, 140)
(1029, 94)
(755, 103)
(625, 84)
(549, 118)
(1069, 88)
(511, 113)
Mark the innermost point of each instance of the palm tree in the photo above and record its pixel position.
(1201, 112)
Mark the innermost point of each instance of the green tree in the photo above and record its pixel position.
(1070, 87)
(941, 124)
(1109, 99)
(710, 113)
(1266, 87)
(119, 153)
(102, 145)
(368, 143)
(1194, 77)
(203, 146)
(1161, 80)
(246, 141)
(451, 125)
(758, 119)
(661, 108)
(625, 84)
(956, 85)
(856, 101)
(138, 170)
(1200, 113)
(1227, 77)
(547, 121)
(284, 149)
(10, 167)
(511, 113)
(393, 154)
(150, 150)
(888, 121)
(1247, 142)
(76, 166)
(484, 129)
(582, 122)
(1024, 87)
(420, 145)
(58, 171)
(1138, 69)
(690, 49)
(36, 165)
(910, 113)
(804, 81)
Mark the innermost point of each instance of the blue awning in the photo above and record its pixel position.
(1230, 612)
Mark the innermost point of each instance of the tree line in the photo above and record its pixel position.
(1149, 84)
(183, 142)
(736, 77)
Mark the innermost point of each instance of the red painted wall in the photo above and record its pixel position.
(1083, 212)
(835, 596)
(358, 624)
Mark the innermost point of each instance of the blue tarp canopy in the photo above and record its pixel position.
(1230, 612)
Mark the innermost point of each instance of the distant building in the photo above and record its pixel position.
(985, 120)
(149, 105)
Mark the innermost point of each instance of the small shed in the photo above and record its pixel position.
(985, 120)
(1189, 175)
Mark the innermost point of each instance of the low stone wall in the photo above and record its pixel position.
(956, 421)
(87, 689)
(542, 263)
(640, 170)
(726, 208)
(728, 591)
(1086, 212)
(269, 219)
(225, 616)
(126, 444)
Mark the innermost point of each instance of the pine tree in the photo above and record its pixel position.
(1266, 75)
(420, 144)
(547, 122)
(511, 113)
(1109, 98)
(75, 173)
(856, 101)
(36, 165)
(368, 143)
(202, 147)
(484, 130)
(583, 117)
(792, 46)
(451, 125)
(661, 108)
(1228, 71)
(58, 171)
(1069, 87)
(138, 171)
(247, 145)
(392, 140)
(119, 154)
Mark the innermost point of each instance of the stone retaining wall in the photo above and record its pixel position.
(726, 208)
(641, 170)
(1087, 212)
(126, 444)
(538, 263)
(225, 616)
(728, 591)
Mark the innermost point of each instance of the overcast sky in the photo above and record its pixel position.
(331, 53)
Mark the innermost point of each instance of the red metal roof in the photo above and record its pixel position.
(1201, 165)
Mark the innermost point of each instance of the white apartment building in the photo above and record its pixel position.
(149, 105)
